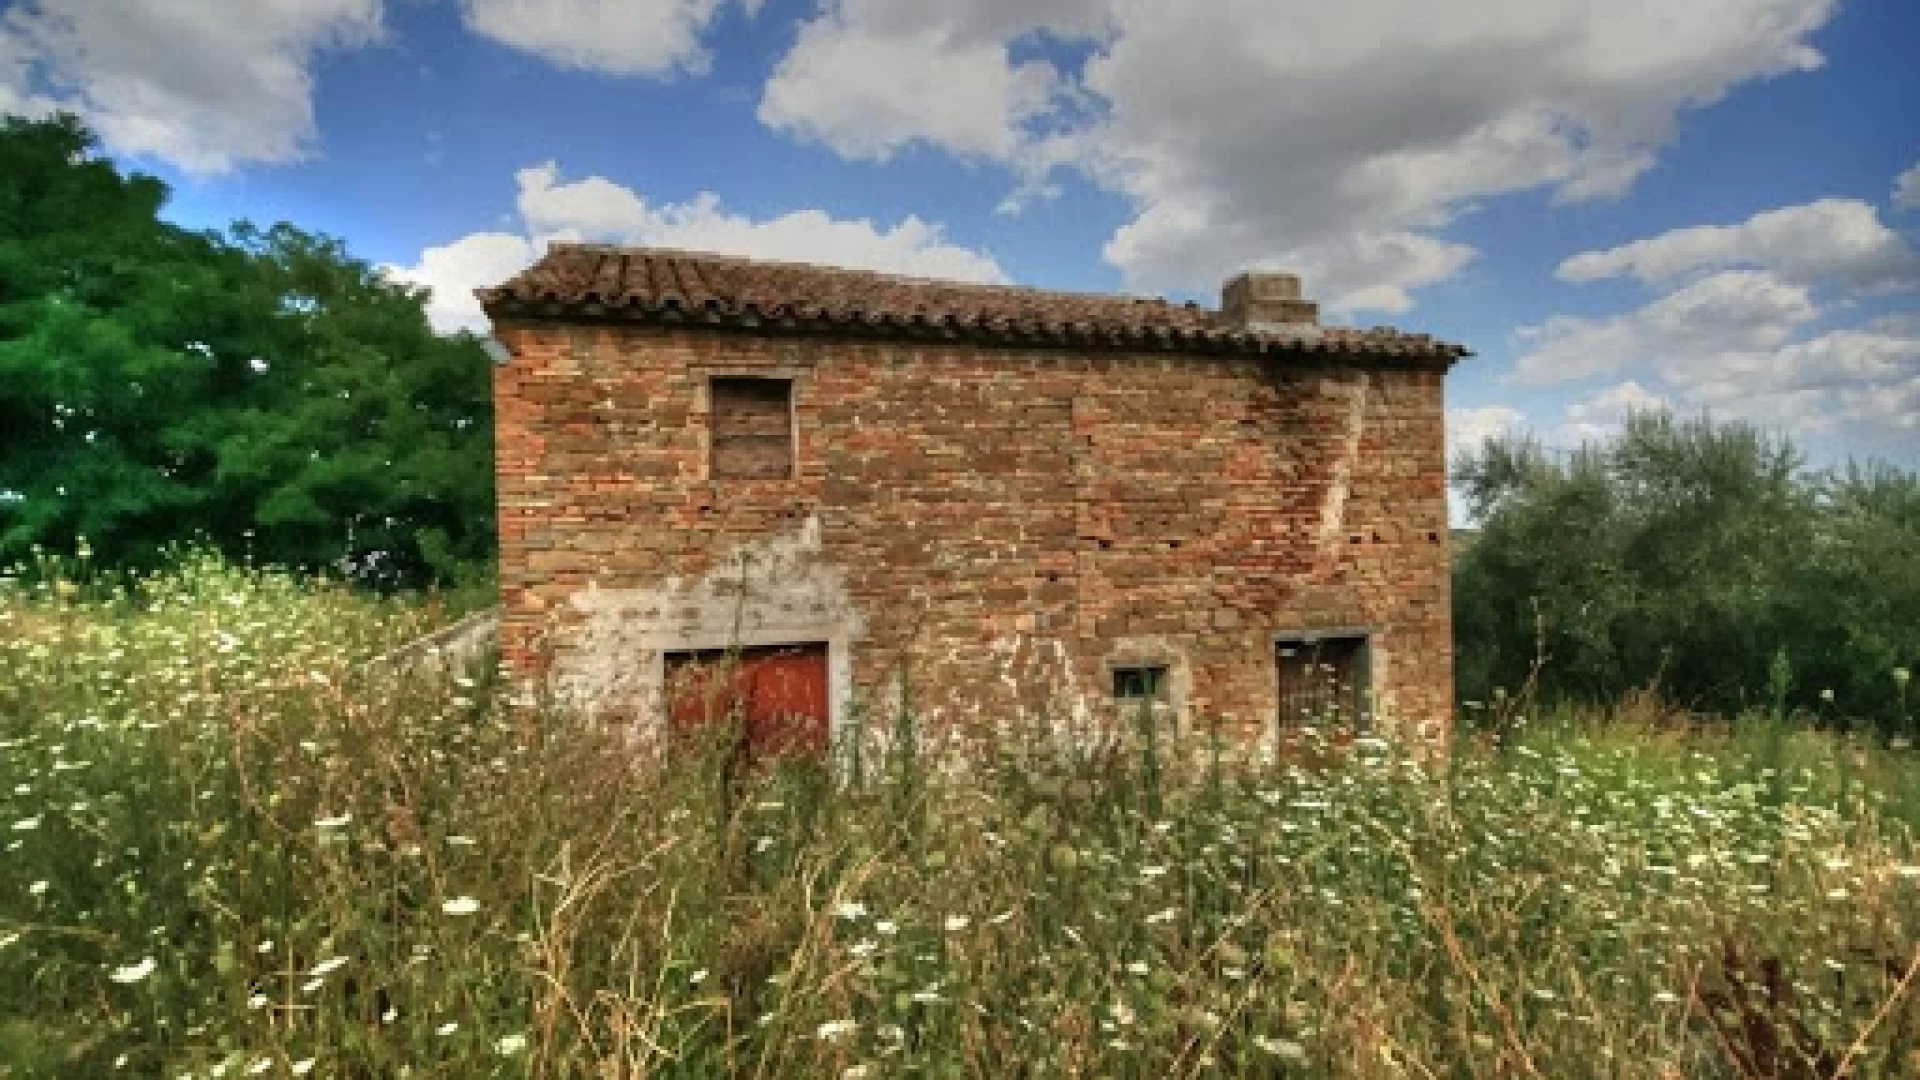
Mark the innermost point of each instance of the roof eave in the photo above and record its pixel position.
(505, 305)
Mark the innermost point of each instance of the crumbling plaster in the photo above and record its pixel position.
(774, 591)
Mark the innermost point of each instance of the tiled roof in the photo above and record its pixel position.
(658, 285)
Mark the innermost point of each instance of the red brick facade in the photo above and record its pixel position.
(993, 525)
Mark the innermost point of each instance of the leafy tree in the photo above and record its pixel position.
(263, 391)
(1687, 554)
(96, 369)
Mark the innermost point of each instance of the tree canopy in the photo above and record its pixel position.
(260, 391)
(1695, 556)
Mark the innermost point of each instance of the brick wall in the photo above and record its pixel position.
(991, 527)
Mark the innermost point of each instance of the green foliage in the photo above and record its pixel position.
(1692, 556)
(262, 392)
(230, 851)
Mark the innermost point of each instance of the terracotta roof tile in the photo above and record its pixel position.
(691, 287)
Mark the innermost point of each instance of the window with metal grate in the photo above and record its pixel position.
(1325, 681)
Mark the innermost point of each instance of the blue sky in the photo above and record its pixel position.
(1702, 204)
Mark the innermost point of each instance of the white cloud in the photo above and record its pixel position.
(868, 77)
(621, 37)
(1735, 312)
(1906, 188)
(1470, 428)
(205, 84)
(599, 209)
(1366, 270)
(1599, 416)
(1846, 379)
(1729, 344)
(1778, 341)
(453, 271)
(1841, 240)
(1247, 131)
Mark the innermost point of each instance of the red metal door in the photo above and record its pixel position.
(779, 693)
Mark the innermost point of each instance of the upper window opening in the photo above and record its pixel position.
(1140, 683)
(752, 429)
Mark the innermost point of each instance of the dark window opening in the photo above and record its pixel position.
(1142, 683)
(1325, 681)
(752, 429)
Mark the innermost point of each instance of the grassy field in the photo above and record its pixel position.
(226, 851)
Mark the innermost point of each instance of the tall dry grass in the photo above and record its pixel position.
(226, 850)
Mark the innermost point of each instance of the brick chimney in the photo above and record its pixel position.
(1270, 302)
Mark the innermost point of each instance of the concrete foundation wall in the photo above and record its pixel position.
(993, 528)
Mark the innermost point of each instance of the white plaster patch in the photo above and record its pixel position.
(1333, 510)
(774, 591)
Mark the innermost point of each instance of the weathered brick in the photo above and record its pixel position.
(1005, 520)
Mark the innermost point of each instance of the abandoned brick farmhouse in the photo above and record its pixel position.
(1016, 503)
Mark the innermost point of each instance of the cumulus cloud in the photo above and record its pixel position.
(452, 271)
(620, 37)
(598, 209)
(1735, 312)
(1597, 417)
(868, 77)
(1906, 188)
(1841, 240)
(204, 84)
(1469, 429)
(1321, 135)
(1856, 378)
(1759, 320)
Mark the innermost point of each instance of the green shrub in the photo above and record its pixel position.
(1688, 556)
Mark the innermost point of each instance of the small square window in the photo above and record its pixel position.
(752, 428)
(1140, 683)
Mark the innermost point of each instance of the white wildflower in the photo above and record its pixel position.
(852, 910)
(133, 973)
(328, 824)
(447, 1028)
(302, 1067)
(27, 824)
(509, 1045)
(833, 1029)
(326, 967)
(1281, 1048)
(956, 923)
(461, 905)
